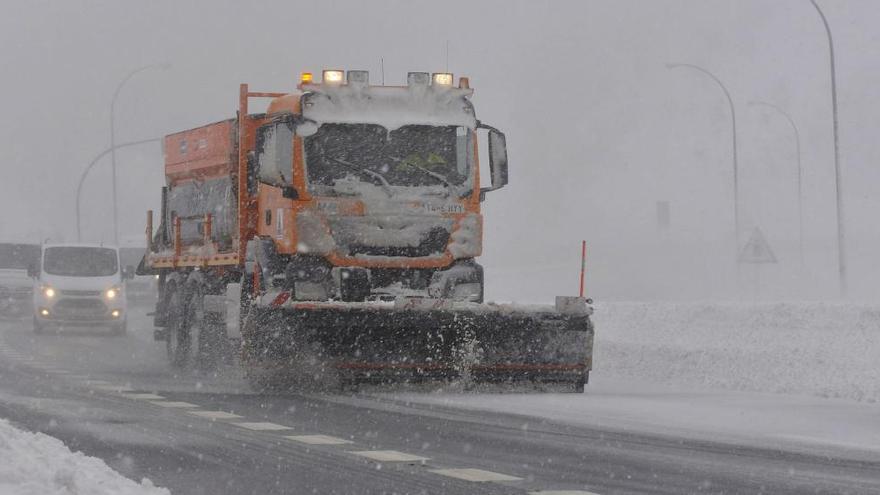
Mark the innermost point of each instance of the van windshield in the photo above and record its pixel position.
(71, 261)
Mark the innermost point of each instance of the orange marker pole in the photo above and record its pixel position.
(583, 265)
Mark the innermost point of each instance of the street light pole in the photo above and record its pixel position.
(797, 140)
(733, 128)
(113, 140)
(85, 173)
(841, 237)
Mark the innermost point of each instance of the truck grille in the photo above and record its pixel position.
(434, 242)
(394, 236)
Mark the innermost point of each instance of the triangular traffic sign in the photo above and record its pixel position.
(757, 250)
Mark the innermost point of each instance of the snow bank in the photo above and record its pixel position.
(825, 349)
(37, 464)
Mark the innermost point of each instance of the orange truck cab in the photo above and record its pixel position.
(352, 192)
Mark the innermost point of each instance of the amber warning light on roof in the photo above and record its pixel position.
(336, 77)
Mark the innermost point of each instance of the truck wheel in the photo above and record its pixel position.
(178, 340)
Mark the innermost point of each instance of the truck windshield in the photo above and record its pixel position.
(409, 156)
(18, 256)
(70, 261)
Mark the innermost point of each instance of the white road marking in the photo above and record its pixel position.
(562, 492)
(213, 415)
(113, 388)
(171, 403)
(142, 396)
(477, 475)
(318, 439)
(389, 456)
(263, 426)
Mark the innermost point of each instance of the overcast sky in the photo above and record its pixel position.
(599, 129)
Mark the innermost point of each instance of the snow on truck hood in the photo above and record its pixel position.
(389, 106)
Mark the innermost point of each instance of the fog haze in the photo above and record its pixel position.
(598, 128)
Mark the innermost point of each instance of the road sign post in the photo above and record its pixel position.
(757, 252)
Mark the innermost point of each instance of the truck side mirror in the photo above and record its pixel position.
(128, 272)
(497, 159)
(275, 154)
(33, 271)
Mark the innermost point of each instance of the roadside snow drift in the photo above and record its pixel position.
(37, 464)
(824, 349)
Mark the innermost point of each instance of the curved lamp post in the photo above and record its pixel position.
(85, 173)
(733, 133)
(841, 237)
(797, 140)
(113, 146)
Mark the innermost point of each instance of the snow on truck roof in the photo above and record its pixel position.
(389, 106)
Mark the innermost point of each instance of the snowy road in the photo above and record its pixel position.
(115, 398)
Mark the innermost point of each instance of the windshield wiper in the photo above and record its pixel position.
(429, 173)
(376, 175)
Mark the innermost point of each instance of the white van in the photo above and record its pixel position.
(80, 285)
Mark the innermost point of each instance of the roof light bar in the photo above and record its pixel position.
(358, 77)
(418, 78)
(305, 78)
(333, 76)
(442, 79)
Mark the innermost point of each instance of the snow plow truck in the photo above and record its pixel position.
(348, 217)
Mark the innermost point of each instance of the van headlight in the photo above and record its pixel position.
(47, 291)
(112, 293)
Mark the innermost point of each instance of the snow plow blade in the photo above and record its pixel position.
(367, 343)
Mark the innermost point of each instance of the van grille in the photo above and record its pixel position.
(81, 293)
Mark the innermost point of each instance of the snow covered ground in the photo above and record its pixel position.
(823, 349)
(37, 464)
(800, 376)
(793, 423)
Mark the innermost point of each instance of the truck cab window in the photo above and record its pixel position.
(275, 156)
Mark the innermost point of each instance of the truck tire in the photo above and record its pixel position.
(207, 328)
(178, 340)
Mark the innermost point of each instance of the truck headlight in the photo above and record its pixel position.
(333, 76)
(47, 291)
(442, 79)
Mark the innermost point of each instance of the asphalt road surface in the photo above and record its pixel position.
(195, 433)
